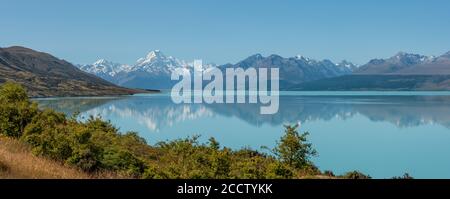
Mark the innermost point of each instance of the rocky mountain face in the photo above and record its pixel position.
(401, 72)
(296, 69)
(153, 71)
(44, 75)
(104, 69)
(408, 64)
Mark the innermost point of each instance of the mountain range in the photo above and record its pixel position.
(403, 71)
(295, 70)
(44, 75)
(407, 64)
(153, 71)
(150, 72)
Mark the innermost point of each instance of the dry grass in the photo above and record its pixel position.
(16, 161)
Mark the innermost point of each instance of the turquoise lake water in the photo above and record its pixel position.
(383, 134)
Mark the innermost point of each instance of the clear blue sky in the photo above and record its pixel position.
(226, 31)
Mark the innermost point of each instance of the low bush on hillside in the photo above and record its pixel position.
(356, 175)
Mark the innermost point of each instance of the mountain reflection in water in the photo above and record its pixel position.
(157, 112)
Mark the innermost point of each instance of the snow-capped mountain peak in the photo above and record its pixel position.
(156, 62)
(155, 54)
(103, 67)
(101, 62)
(301, 57)
(348, 65)
(409, 58)
(151, 56)
(153, 63)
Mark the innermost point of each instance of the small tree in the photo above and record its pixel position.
(293, 148)
(213, 144)
(16, 110)
(12, 93)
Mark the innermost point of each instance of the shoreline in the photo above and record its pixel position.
(100, 96)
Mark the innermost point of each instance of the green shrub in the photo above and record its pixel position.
(250, 167)
(16, 110)
(293, 148)
(405, 176)
(122, 160)
(329, 173)
(356, 175)
(91, 146)
(279, 170)
(153, 172)
(11, 93)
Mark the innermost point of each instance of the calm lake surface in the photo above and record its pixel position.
(383, 134)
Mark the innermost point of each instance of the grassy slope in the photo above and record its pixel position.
(17, 162)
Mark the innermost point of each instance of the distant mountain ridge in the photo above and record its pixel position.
(44, 75)
(411, 71)
(408, 64)
(294, 70)
(104, 68)
(403, 71)
(154, 70)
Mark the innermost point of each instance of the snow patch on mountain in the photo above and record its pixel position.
(104, 67)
